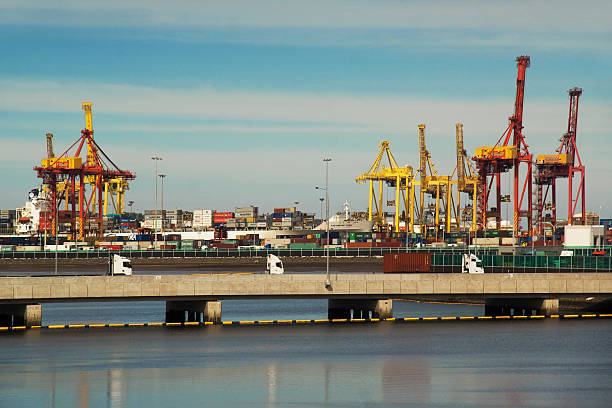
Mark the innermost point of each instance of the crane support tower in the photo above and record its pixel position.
(508, 153)
(467, 183)
(65, 179)
(437, 186)
(565, 164)
(399, 178)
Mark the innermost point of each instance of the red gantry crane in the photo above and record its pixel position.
(507, 153)
(564, 164)
(73, 177)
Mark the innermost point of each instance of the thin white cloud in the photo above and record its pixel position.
(447, 14)
(471, 23)
(316, 113)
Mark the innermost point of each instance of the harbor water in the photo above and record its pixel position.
(548, 363)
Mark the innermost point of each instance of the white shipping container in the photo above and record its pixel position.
(583, 235)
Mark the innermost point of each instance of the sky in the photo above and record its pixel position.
(243, 99)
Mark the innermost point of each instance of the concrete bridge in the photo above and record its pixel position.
(198, 297)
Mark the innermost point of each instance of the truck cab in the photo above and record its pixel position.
(120, 265)
(470, 263)
(274, 265)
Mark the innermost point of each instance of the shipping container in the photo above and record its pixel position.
(407, 262)
(359, 245)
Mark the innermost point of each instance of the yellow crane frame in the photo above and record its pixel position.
(467, 180)
(431, 183)
(395, 176)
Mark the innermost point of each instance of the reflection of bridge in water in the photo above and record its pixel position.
(198, 297)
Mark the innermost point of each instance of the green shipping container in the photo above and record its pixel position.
(303, 245)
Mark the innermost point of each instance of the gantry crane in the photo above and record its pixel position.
(467, 183)
(564, 164)
(114, 188)
(401, 178)
(438, 187)
(65, 179)
(506, 154)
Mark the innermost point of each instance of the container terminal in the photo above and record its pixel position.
(81, 203)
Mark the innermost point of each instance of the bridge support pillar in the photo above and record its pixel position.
(20, 315)
(521, 307)
(193, 311)
(359, 309)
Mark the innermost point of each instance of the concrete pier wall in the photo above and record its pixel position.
(193, 311)
(520, 307)
(20, 315)
(359, 309)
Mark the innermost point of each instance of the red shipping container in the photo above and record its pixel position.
(407, 262)
(359, 245)
(221, 245)
(387, 245)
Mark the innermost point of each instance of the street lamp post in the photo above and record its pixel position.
(326, 161)
(156, 159)
(162, 176)
(322, 199)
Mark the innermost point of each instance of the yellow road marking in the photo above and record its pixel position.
(588, 315)
(247, 322)
(192, 323)
(605, 315)
(519, 317)
(448, 318)
(227, 322)
(390, 319)
(569, 316)
(303, 321)
(284, 321)
(173, 324)
(265, 321)
(375, 320)
(359, 320)
(410, 318)
(537, 317)
(19, 327)
(56, 326)
(35, 327)
(135, 324)
(466, 317)
(3, 328)
(321, 321)
(208, 323)
(502, 317)
(339, 320)
(97, 325)
(75, 326)
(485, 317)
(155, 324)
(116, 325)
(430, 318)
(554, 316)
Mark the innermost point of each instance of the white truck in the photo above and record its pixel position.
(470, 263)
(119, 265)
(274, 266)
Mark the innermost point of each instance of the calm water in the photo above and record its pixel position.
(518, 363)
(447, 364)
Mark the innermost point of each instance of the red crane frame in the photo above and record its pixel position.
(501, 158)
(562, 165)
(88, 210)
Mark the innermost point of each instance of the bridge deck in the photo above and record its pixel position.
(23, 290)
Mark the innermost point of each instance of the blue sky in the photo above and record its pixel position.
(243, 99)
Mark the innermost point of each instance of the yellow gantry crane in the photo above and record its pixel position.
(431, 183)
(114, 188)
(467, 182)
(401, 178)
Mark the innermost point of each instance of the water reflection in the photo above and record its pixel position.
(510, 364)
